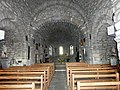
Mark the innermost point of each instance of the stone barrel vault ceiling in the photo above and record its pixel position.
(53, 22)
(59, 32)
(38, 12)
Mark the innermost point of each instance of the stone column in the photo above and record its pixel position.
(117, 39)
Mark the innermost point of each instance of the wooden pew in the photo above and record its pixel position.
(22, 73)
(30, 86)
(73, 64)
(92, 72)
(21, 80)
(92, 78)
(69, 69)
(45, 69)
(27, 71)
(86, 69)
(115, 85)
(79, 64)
(31, 69)
(50, 65)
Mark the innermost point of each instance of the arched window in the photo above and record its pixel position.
(71, 50)
(2, 34)
(61, 50)
(50, 50)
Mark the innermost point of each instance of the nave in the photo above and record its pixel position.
(59, 44)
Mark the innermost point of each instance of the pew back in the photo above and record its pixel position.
(30, 86)
(98, 85)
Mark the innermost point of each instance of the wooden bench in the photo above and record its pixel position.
(45, 69)
(98, 85)
(18, 71)
(22, 73)
(31, 69)
(93, 78)
(51, 68)
(48, 64)
(20, 80)
(49, 72)
(82, 64)
(73, 64)
(92, 72)
(30, 86)
(69, 69)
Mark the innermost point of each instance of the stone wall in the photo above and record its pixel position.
(100, 43)
(14, 25)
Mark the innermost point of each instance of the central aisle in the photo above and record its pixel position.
(59, 81)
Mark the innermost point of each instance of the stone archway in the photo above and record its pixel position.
(102, 43)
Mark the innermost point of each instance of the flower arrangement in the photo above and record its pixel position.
(61, 60)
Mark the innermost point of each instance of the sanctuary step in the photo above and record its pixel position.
(60, 67)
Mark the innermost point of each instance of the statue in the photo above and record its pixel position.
(4, 52)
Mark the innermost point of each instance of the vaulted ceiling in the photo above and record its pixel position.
(59, 31)
(55, 20)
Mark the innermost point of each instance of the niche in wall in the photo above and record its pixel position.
(33, 41)
(26, 38)
(28, 52)
(36, 46)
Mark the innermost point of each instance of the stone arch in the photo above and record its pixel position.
(101, 43)
(6, 11)
(13, 38)
(98, 22)
(9, 28)
(62, 3)
(6, 22)
(63, 15)
(16, 28)
(62, 20)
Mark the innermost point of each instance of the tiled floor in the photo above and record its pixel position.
(59, 81)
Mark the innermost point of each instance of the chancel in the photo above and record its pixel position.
(59, 44)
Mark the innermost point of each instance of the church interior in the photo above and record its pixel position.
(59, 44)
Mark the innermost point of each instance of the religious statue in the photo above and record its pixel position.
(4, 51)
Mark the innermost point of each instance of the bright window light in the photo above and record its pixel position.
(50, 50)
(2, 34)
(71, 50)
(61, 50)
